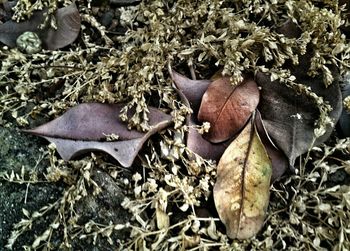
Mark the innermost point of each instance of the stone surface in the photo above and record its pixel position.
(21, 150)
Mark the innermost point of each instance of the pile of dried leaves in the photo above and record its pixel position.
(209, 161)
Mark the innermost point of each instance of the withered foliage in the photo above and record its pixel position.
(169, 195)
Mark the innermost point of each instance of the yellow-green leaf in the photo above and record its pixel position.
(241, 192)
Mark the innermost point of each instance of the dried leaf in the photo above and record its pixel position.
(85, 128)
(289, 117)
(241, 191)
(289, 29)
(279, 161)
(68, 27)
(202, 147)
(227, 107)
(191, 92)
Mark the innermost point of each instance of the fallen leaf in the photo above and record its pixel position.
(204, 148)
(289, 29)
(191, 92)
(227, 108)
(68, 27)
(289, 117)
(85, 128)
(6, 10)
(279, 161)
(241, 191)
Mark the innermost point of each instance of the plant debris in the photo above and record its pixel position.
(93, 126)
(298, 48)
(242, 188)
(65, 29)
(227, 108)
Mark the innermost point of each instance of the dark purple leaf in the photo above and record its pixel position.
(192, 90)
(289, 29)
(85, 128)
(203, 147)
(289, 117)
(68, 27)
(279, 161)
(124, 2)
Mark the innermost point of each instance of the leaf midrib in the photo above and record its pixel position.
(244, 169)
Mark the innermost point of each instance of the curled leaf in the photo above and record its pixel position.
(227, 107)
(290, 116)
(241, 191)
(86, 128)
(279, 161)
(68, 27)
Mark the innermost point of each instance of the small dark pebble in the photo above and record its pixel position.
(107, 17)
(339, 177)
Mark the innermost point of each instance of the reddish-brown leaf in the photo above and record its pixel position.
(191, 92)
(68, 27)
(227, 107)
(85, 128)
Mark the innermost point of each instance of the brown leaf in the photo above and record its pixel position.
(85, 128)
(279, 161)
(191, 92)
(68, 27)
(227, 107)
(241, 191)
